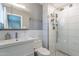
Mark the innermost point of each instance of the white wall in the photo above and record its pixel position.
(69, 30)
(36, 15)
(45, 26)
(49, 36)
(52, 33)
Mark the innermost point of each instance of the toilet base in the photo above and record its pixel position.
(35, 53)
(41, 52)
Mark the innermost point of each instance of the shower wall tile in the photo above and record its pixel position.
(69, 30)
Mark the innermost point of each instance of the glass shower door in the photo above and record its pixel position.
(62, 44)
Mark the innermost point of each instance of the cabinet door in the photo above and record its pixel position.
(18, 50)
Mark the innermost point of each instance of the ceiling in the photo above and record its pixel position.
(59, 6)
(56, 5)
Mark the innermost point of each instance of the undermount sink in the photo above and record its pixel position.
(10, 42)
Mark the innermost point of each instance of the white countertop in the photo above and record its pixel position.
(10, 42)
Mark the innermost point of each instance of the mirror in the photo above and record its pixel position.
(14, 17)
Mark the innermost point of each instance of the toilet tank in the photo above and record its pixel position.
(37, 43)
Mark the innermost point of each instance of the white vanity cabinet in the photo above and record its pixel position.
(18, 49)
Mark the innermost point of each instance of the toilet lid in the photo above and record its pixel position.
(43, 51)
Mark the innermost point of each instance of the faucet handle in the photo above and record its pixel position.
(7, 36)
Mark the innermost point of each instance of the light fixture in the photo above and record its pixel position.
(18, 5)
(70, 5)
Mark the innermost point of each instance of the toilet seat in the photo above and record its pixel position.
(43, 51)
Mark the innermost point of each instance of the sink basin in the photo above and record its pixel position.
(10, 42)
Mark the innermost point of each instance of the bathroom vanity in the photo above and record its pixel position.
(22, 47)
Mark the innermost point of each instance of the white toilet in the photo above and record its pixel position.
(40, 50)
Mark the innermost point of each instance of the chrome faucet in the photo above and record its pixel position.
(7, 36)
(16, 36)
